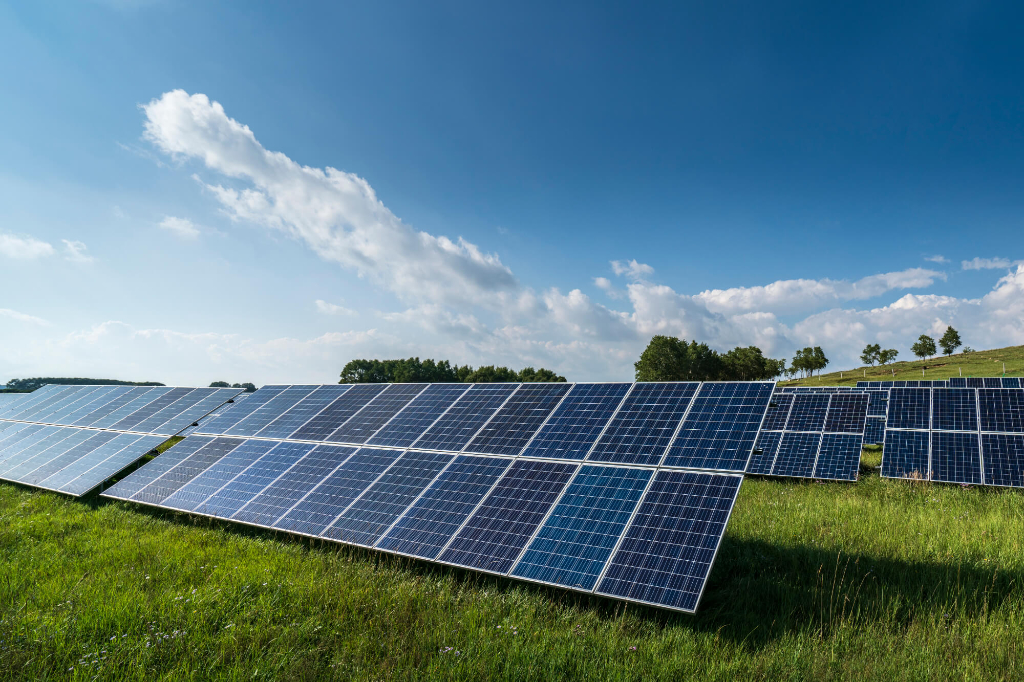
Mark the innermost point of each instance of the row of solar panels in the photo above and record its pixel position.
(955, 382)
(140, 409)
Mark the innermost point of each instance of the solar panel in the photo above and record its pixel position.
(574, 426)
(193, 494)
(1001, 410)
(644, 424)
(470, 412)
(229, 418)
(377, 413)
(418, 416)
(808, 412)
(797, 454)
(263, 414)
(1004, 459)
(765, 450)
(874, 430)
(958, 382)
(909, 408)
(906, 454)
(512, 426)
(1011, 382)
(956, 457)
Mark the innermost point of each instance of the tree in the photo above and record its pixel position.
(888, 355)
(248, 386)
(529, 374)
(34, 383)
(925, 347)
(950, 341)
(749, 364)
(413, 370)
(219, 384)
(808, 359)
(666, 358)
(870, 354)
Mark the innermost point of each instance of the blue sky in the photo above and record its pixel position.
(200, 191)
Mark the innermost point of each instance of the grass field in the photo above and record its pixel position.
(987, 363)
(879, 580)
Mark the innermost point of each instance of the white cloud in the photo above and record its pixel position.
(335, 213)
(23, 248)
(22, 317)
(333, 309)
(180, 227)
(76, 251)
(987, 264)
(937, 259)
(631, 269)
(605, 285)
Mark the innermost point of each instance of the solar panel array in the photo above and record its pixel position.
(73, 438)
(622, 490)
(922, 383)
(812, 435)
(956, 435)
(986, 382)
(7, 400)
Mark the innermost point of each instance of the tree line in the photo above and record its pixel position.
(668, 358)
(28, 385)
(248, 386)
(923, 348)
(414, 370)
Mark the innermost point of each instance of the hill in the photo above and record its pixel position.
(983, 363)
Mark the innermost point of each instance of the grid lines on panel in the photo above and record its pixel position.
(463, 419)
(576, 423)
(338, 412)
(511, 428)
(643, 427)
(377, 412)
(416, 417)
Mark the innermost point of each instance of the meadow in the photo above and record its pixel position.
(882, 579)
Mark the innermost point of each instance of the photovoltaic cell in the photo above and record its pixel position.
(193, 465)
(878, 404)
(21, 466)
(416, 417)
(576, 423)
(254, 479)
(797, 453)
(955, 409)
(429, 524)
(909, 408)
(338, 412)
(96, 468)
(644, 425)
(237, 413)
(140, 478)
(667, 551)
(846, 413)
(765, 450)
(1011, 382)
(874, 430)
(496, 533)
(463, 419)
(261, 417)
(778, 412)
(193, 495)
(808, 412)
(137, 417)
(511, 428)
(1002, 410)
(906, 454)
(1004, 459)
(377, 412)
(839, 456)
(955, 457)
(69, 456)
(958, 382)
(577, 538)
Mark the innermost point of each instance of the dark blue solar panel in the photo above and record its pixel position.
(496, 533)
(461, 422)
(879, 403)
(190, 467)
(778, 412)
(975, 382)
(573, 545)
(254, 479)
(954, 409)
(808, 412)
(576, 423)
(261, 417)
(293, 485)
(303, 411)
(645, 423)
(839, 456)
(666, 553)
(719, 430)
(958, 382)
(372, 514)
(955, 457)
(1011, 382)
(338, 412)
(328, 500)
(142, 477)
(765, 449)
(909, 408)
(238, 412)
(1004, 459)
(425, 528)
(511, 428)
(69, 456)
(905, 454)
(874, 430)
(992, 382)
(797, 453)
(377, 412)
(192, 495)
(409, 424)
(1002, 409)
(846, 413)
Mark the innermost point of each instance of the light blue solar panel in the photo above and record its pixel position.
(808, 412)
(463, 419)
(765, 449)
(846, 413)
(101, 397)
(128, 486)
(101, 411)
(304, 410)
(139, 416)
(956, 457)
(578, 420)
(573, 545)
(328, 500)
(293, 485)
(26, 464)
(719, 430)
(777, 414)
(372, 514)
(376, 413)
(170, 410)
(667, 550)
(185, 471)
(139, 401)
(1002, 410)
(73, 401)
(797, 453)
(493, 537)
(52, 397)
(511, 428)
(905, 454)
(909, 408)
(338, 412)
(645, 423)
(839, 456)
(184, 416)
(24, 434)
(238, 412)
(260, 474)
(955, 409)
(15, 457)
(66, 400)
(409, 424)
(874, 430)
(426, 527)
(1004, 459)
(259, 418)
(193, 495)
(96, 469)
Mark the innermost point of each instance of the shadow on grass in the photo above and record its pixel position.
(758, 592)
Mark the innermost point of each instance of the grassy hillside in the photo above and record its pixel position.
(986, 363)
(881, 580)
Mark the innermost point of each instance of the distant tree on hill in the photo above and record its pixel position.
(950, 341)
(749, 364)
(870, 354)
(33, 384)
(887, 355)
(809, 359)
(413, 370)
(219, 384)
(668, 358)
(925, 347)
(248, 386)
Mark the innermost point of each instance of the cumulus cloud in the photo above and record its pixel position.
(986, 264)
(333, 309)
(335, 213)
(937, 259)
(631, 269)
(180, 227)
(23, 248)
(76, 251)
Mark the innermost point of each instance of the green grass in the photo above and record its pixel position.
(987, 363)
(883, 580)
